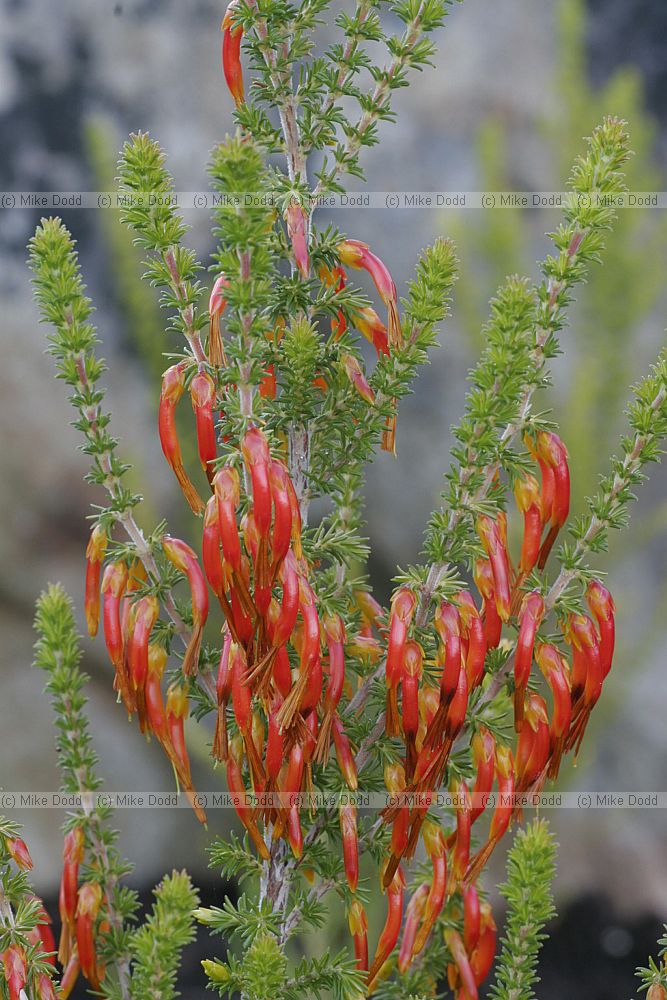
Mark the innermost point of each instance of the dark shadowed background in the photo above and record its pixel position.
(515, 86)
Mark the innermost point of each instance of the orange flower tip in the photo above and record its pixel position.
(356, 376)
(296, 220)
(217, 301)
(18, 851)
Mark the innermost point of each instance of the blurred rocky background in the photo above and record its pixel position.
(515, 86)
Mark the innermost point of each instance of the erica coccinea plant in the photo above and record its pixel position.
(478, 680)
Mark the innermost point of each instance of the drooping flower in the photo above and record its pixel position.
(297, 230)
(185, 559)
(202, 394)
(530, 619)
(97, 546)
(232, 36)
(173, 387)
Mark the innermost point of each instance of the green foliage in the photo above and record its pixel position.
(655, 974)
(58, 653)
(61, 294)
(137, 308)
(157, 946)
(530, 872)
(522, 336)
(293, 321)
(20, 910)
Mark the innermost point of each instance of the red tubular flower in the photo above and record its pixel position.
(275, 744)
(603, 610)
(202, 394)
(492, 621)
(434, 843)
(354, 253)
(18, 850)
(242, 708)
(557, 675)
(403, 606)
(443, 730)
(184, 558)
(227, 492)
(527, 494)
(282, 512)
(472, 919)
(484, 952)
(155, 715)
(347, 815)
(530, 619)
(73, 851)
(463, 973)
(257, 459)
(282, 672)
(232, 36)
(448, 627)
(45, 988)
(237, 787)
(212, 562)
(334, 634)
(483, 755)
(587, 675)
(353, 370)
(413, 916)
(173, 387)
(369, 324)
(239, 598)
(304, 693)
(114, 584)
(88, 907)
(145, 615)
(15, 968)
(223, 690)
(391, 929)
(41, 936)
(216, 307)
(553, 454)
(296, 519)
(395, 783)
(413, 660)
(97, 546)
(358, 924)
(532, 752)
(460, 858)
(177, 711)
(344, 754)
(292, 787)
(297, 230)
(70, 975)
(289, 608)
(502, 814)
(473, 629)
(491, 534)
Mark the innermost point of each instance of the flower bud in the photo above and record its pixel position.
(173, 387)
(18, 851)
(202, 394)
(16, 971)
(232, 36)
(297, 230)
(97, 546)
